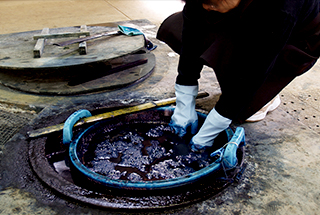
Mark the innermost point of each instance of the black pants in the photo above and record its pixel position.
(291, 62)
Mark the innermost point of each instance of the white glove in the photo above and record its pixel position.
(212, 126)
(184, 115)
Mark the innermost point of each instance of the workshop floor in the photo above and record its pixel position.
(18, 16)
(283, 156)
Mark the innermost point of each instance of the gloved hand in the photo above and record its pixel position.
(184, 115)
(212, 126)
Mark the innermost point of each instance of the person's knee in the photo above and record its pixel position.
(170, 31)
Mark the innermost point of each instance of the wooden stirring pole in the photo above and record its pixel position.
(98, 117)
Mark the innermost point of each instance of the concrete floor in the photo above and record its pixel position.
(18, 16)
(283, 152)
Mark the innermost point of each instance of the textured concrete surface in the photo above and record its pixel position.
(283, 151)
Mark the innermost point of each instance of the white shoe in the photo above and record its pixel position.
(261, 114)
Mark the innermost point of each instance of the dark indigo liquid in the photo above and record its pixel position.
(144, 152)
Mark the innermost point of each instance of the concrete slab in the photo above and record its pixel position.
(301, 99)
(19, 16)
(282, 154)
(281, 175)
(155, 11)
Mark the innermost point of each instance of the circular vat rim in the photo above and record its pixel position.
(196, 191)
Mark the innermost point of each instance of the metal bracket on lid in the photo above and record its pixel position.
(41, 40)
(83, 45)
(38, 48)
